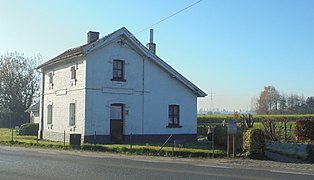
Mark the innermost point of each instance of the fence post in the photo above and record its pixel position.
(131, 148)
(174, 142)
(228, 146)
(164, 144)
(12, 135)
(95, 139)
(213, 144)
(64, 139)
(233, 146)
(37, 139)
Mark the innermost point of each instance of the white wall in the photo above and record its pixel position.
(164, 90)
(147, 93)
(160, 90)
(102, 92)
(63, 92)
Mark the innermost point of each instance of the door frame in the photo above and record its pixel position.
(117, 125)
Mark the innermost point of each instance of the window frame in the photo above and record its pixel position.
(73, 71)
(118, 73)
(72, 114)
(50, 80)
(49, 114)
(174, 116)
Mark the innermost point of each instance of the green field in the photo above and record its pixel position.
(206, 119)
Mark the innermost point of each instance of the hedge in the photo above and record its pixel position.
(304, 130)
(221, 137)
(29, 129)
(254, 142)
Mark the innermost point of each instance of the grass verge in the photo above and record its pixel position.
(197, 149)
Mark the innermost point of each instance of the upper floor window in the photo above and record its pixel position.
(73, 73)
(50, 75)
(118, 70)
(50, 80)
(174, 116)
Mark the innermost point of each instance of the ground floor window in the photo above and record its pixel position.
(173, 116)
(49, 114)
(72, 114)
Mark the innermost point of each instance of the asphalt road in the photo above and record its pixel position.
(22, 163)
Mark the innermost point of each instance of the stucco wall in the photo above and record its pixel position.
(102, 91)
(146, 94)
(63, 92)
(163, 90)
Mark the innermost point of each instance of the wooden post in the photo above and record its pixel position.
(131, 143)
(95, 139)
(228, 146)
(213, 144)
(173, 148)
(37, 139)
(64, 139)
(233, 144)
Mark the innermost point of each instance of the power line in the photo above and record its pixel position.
(169, 16)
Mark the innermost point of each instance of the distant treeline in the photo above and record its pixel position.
(205, 119)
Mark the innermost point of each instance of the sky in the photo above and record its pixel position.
(230, 49)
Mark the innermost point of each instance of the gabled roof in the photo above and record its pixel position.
(123, 32)
(33, 108)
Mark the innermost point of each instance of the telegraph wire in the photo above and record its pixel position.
(169, 16)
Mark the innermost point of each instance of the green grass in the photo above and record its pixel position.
(196, 149)
(205, 119)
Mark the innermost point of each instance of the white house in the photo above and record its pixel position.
(33, 111)
(113, 87)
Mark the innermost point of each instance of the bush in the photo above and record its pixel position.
(273, 129)
(221, 137)
(30, 129)
(254, 143)
(304, 130)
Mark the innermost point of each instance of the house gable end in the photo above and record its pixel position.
(124, 38)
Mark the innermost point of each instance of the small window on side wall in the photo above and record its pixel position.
(118, 70)
(72, 118)
(50, 75)
(50, 80)
(73, 73)
(49, 114)
(174, 116)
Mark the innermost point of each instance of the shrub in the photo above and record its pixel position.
(310, 151)
(30, 129)
(254, 143)
(221, 137)
(304, 130)
(202, 131)
(272, 128)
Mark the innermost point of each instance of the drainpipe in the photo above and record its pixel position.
(143, 93)
(41, 115)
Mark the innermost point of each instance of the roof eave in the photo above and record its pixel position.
(58, 60)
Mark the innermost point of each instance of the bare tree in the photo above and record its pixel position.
(18, 84)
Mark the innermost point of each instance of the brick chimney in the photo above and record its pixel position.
(92, 36)
(151, 45)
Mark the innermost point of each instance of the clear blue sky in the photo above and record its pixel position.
(233, 47)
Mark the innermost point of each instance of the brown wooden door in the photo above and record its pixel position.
(116, 123)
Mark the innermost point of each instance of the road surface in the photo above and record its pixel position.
(22, 163)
